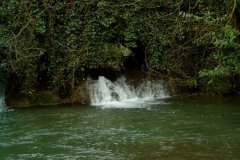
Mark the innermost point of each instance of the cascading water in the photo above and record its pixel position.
(105, 93)
(2, 103)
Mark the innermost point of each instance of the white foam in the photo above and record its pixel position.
(120, 94)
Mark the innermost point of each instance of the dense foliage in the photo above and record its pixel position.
(52, 43)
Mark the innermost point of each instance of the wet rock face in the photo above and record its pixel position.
(115, 96)
(41, 98)
(80, 95)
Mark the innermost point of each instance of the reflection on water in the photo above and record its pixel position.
(176, 129)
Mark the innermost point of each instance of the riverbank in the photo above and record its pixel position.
(48, 98)
(97, 92)
(104, 91)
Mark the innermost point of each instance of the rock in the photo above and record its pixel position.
(44, 98)
(115, 96)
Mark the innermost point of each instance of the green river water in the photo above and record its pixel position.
(173, 129)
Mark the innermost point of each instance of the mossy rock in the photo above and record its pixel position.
(17, 101)
(46, 98)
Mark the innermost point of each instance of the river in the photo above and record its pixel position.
(124, 122)
(173, 129)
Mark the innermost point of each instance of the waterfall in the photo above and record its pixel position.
(2, 103)
(106, 93)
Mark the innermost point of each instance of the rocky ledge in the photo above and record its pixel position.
(80, 95)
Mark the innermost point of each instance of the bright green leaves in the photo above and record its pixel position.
(105, 56)
(226, 57)
(3, 36)
(225, 37)
(218, 71)
(39, 25)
